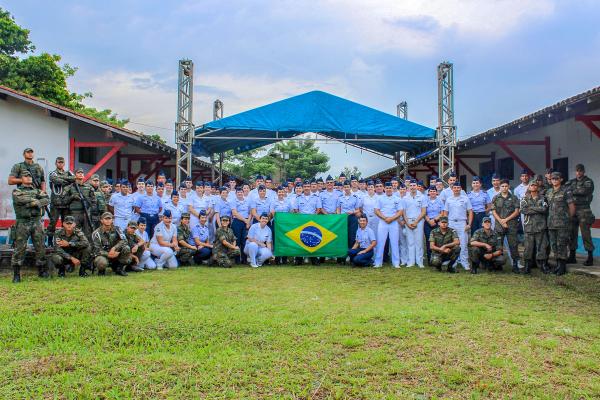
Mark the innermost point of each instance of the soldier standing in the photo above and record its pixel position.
(561, 208)
(82, 201)
(445, 246)
(582, 188)
(225, 249)
(60, 179)
(71, 248)
(35, 171)
(100, 208)
(110, 247)
(534, 210)
(505, 208)
(28, 203)
(486, 246)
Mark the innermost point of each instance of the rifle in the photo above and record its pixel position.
(37, 184)
(86, 207)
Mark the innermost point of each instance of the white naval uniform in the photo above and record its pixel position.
(388, 206)
(457, 208)
(413, 207)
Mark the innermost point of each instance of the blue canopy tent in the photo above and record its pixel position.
(318, 112)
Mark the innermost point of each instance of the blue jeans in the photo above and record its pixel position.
(427, 229)
(151, 222)
(360, 260)
(240, 231)
(202, 254)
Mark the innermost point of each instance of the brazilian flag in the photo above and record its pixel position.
(308, 235)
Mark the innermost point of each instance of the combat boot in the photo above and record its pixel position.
(590, 259)
(544, 266)
(571, 259)
(561, 268)
(474, 268)
(120, 271)
(61, 271)
(43, 270)
(82, 272)
(50, 239)
(16, 273)
(527, 269)
(515, 268)
(451, 268)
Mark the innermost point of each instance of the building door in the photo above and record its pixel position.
(562, 165)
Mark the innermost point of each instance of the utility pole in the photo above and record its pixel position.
(184, 127)
(446, 131)
(218, 114)
(401, 157)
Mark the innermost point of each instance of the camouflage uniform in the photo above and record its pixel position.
(534, 226)
(132, 241)
(59, 203)
(223, 256)
(583, 193)
(504, 206)
(100, 207)
(36, 171)
(79, 247)
(492, 238)
(185, 255)
(76, 208)
(558, 221)
(102, 243)
(28, 203)
(438, 238)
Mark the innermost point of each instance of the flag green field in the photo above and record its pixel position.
(308, 235)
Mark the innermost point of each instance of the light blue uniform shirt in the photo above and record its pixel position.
(241, 206)
(329, 201)
(199, 231)
(308, 204)
(413, 205)
(176, 211)
(123, 205)
(149, 204)
(348, 203)
(388, 206)
(261, 205)
(364, 237)
(284, 205)
(368, 204)
(433, 208)
(478, 200)
(223, 207)
(201, 203)
(457, 207)
(521, 190)
(259, 234)
(447, 192)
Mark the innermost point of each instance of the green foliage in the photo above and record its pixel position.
(156, 137)
(249, 164)
(41, 75)
(351, 171)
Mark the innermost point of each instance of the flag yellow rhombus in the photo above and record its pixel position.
(311, 236)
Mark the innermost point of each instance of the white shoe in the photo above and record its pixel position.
(254, 265)
(376, 266)
(408, 266)
(421, 266)
(396, 266)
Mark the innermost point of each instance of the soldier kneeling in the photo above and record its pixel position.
(71, 248)
(486, 247)
(110, 247)
(444, 245)
(225, 249)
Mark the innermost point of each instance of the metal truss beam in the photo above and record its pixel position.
(217, 114)
(446, 131)
(401, 157)
(184, 127)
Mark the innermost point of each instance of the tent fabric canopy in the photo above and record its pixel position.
(316, 112)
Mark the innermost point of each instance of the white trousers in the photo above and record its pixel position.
(414, 239)
(165, 256)
(403, 243)
(463, 238)
(372, 223)
(383, 232)
(257, 255)
(146, 261)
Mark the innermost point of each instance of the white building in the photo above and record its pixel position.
(560, 136)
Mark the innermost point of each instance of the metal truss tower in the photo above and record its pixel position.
(217, 114)
(184, 127)
(446, 131)
(401, 157)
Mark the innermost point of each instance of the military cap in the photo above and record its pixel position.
(223, 188)
(95, 177)
(264, 215)
(208, 183)
(432, 188)
(185, 215)
(298, 184)
(160, 184)
(329, 178)
(395, 178)
(25, 173)
(580, 167)
(167, 214)
(262, 187)
(352, 177)
(268, 178)
(202, 212)
(486, 219)
(313, 180)
(161, 173)
(27, 150)
(69, 219)
(132, 224)
(141, 179)
(443, 219)
(149, 182)
(378, 181)
(320, 180)
(169, 180)
(258, 177)
(199, 183)
(182, 185)
(306, 182)
(402, 186)
(361, 181)
(60, 158)
(239, 189)
(370, 182)
(476, 179)
(533, 182)
(495, 176)
(524, 171)
(280, 188)
(174, 193)
(188, 178)
(109, 181)
(106, 214)
(388, 184)
(556, 174)
(337, 184)
(231, 178)
(104, 183)
(539, 177)
(225, 217)
(457, 183)
(342, 175)
(434, 177)
(420, 182)
(79, 170)
(141, 220)
(453, 174)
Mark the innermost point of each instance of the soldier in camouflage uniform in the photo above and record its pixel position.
(77, 208)
(582, 188)
(71, 248)
(137, 246)
(505, 209)
(187, 251)
(35, 171)
(225, 249)
(60, 179)
(100, 208)
(486, 247)
(28, 203)
(534, 209)
(444, 245)
(561, 208)
(110, 247)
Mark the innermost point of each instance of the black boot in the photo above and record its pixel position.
(474, 268)
(571, 259)
(61, 271)
(451, 268)
(561, 268)
(527, 269)
(82, 272)
(43, 270)
(590, 259)
(120, 271)
(17, 273)
(50, 241)
(516, 269)
(544, 266)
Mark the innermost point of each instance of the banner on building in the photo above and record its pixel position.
(308, 235)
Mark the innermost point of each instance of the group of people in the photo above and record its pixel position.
(155, 225)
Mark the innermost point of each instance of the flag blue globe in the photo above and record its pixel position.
(311, 236)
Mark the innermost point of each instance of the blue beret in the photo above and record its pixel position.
(169, 180)
(306, 182)
(280, 187)
(167, 214)
(298, 184)
(109, 181)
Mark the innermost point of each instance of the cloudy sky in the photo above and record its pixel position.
(511, 57)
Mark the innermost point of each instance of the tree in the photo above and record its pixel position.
(41, 75)
(156, 137)
(249, 164)
(352, 171)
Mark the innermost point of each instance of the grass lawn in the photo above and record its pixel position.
(300, 332)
